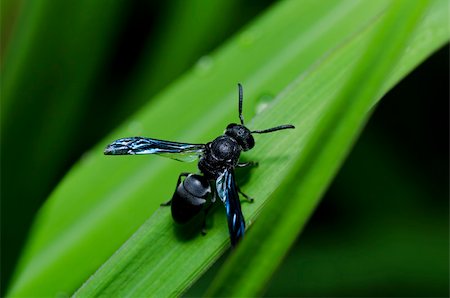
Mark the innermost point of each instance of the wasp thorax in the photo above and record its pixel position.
(242, 135)
(225, 148)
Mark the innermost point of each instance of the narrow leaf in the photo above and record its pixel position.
(319, 159)
(153, 262)
(102, 201)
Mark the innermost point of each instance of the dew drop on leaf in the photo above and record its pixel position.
(263, 103)
(135, 128)
(204, 65)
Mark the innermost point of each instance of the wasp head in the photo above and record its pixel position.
(242, 135)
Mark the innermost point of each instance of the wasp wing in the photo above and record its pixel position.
(140, 145)
(227, 191)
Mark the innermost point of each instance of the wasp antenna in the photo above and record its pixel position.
(241, 97)
(286, 126)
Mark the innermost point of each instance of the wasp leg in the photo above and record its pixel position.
(248, 198)
(247, 164)
(204, 229)
(214, 192)
(169, 202)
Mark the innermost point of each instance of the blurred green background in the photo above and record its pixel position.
(74, 71)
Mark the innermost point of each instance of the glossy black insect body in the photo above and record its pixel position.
(195, 193)
(191, 196)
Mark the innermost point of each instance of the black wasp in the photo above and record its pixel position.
(218, 159)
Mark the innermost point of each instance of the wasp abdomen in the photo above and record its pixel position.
(190, 197)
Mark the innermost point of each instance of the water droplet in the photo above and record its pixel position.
(408, 49)
(204, 64)
(62, 295)
(263, 103)
(135, 128)
(248, 37)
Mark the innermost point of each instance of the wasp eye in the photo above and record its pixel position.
(231, 125)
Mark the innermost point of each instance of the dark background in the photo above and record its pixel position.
(381, 229)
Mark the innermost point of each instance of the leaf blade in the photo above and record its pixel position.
(261, 254)
(74, 221)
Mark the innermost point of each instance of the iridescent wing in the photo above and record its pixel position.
(227, 191)
(140, 145)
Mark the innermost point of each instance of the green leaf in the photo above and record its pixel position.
(322, 154)
(101, 202)
(118, 275)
